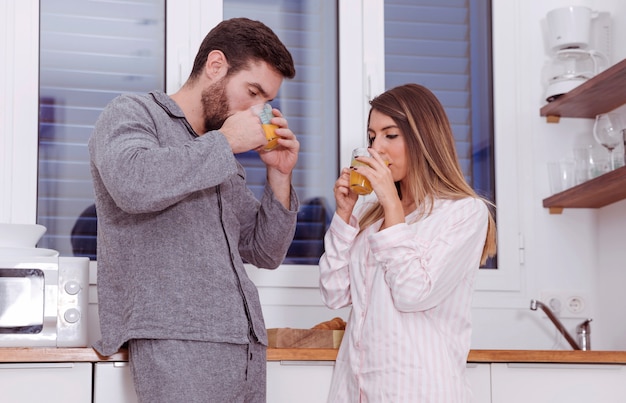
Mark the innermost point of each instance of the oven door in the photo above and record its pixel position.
(29, 284)
(22, 297)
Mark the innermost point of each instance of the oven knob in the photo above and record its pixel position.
(72, 287)
(72, 315)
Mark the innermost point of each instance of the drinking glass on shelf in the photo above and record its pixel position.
(608, 132)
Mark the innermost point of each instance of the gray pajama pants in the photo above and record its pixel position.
(174, 371)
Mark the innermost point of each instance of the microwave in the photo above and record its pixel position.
(43, 298)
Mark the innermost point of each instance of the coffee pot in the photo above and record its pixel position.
(571, 67)
(578, 44)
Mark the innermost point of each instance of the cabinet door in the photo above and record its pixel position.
(45, 382)
(549, 383)
(298, 381)
(112, 382)
(309, 381)
(479, 377)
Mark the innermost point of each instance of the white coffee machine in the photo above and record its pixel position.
(578, 42)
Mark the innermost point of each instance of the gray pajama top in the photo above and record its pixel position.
(175, 221)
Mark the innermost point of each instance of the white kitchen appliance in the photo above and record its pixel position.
(578, 43)
(43, 297)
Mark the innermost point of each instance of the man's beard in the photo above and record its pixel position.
(215, 105)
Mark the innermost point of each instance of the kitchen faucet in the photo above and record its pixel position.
(582, 329)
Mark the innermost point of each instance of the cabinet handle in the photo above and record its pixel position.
(566, 366)
(36, 365)
(308, 363)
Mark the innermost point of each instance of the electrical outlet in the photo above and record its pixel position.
(567, 304)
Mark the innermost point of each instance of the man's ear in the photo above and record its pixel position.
(216, 65)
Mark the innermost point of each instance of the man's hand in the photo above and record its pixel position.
(284, 157)
(243, 131)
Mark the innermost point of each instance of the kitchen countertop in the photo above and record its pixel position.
(41, 354)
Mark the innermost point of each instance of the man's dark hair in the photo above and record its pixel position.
(243, 41)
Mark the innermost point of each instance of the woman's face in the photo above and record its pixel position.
(387, 139)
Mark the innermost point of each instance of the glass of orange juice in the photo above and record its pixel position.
(359, 183)
(266, 115)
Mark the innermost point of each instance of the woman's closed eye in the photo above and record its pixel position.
(389, 136)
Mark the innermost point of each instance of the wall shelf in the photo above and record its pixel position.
(595, 193)
(602, 93)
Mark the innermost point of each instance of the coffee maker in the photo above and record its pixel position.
(578, 42)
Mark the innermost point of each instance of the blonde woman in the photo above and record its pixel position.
(405, 259)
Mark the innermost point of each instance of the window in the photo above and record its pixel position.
(91, 52)
(120, 47)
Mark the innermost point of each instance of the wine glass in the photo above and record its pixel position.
(608, 133)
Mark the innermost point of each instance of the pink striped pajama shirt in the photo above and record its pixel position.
(410, 287)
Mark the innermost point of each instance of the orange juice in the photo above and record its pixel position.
(270, 135)
(359, 183)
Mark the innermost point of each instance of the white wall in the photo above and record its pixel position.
(579, 250)
(562, 252)
(18, 103)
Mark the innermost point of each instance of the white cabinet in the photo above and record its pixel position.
(549, 383)
(45, 382)
(309, 381)
(287, 381)
(298, 381)
(479, 377)
(112, 382)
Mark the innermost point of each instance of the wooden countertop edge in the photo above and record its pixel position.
(548, 356)
(301, 354)
(19, 354)
(50, 354)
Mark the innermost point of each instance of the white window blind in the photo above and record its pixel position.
(445, 46)
(90, 52)
(309, 102)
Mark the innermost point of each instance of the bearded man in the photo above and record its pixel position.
(176, 221)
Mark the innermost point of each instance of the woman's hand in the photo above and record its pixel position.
(379, 175)
(344, 197)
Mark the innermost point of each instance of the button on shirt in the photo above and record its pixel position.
(410, 288)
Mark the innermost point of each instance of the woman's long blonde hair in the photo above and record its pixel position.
(434, 171)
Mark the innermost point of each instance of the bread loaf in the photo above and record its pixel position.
(333, 324)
